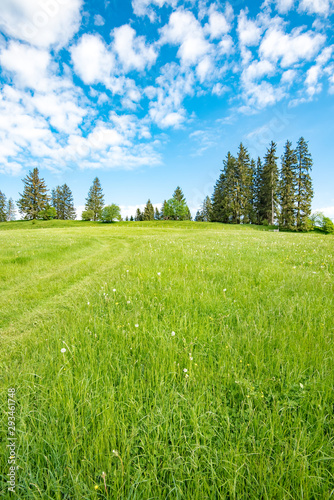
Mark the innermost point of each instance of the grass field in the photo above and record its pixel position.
(198, 363)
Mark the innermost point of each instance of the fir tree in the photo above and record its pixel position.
(156, 214)
(199, 216)
(163, 210)
(270, 186)
(206, 210)
(148, 211)
(139, 215)
(243, 186)
(304, 191)
(62, 201)
(226, 195)
(11, 211)
(288, 187)
(3, 207)
(34, 198)
(258, 202)
(180, 198)
(95, 199)
(126, 219)
(131, 218)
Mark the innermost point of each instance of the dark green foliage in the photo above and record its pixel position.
(180, 198)
(270, 186)
(95, 199)
(258, 192)
(205, 213)
(3, 207)
(139, 215)
(34, 198)
(87, 215)
(178, 194)
(148, 211)
(62, 201)
(110, 213)
(288, 187)
(131, 218)
(304, 189)
(225, 199)
(156, 214)
(243, 183)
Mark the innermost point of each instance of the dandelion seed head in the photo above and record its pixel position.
(63, 350)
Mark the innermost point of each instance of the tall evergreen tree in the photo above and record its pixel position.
(244, 186)
(139, 215)
(258, 202)
(148, 211)
(288, 187)
(226, 195)
(156, 214)
(304, 191)
(179, 196)
(270, 185)
(95, 199)
(62, 201)
(35, 196)
(3, 207)
(207, 209)
(163, 210)
(199, 216)
(11, 212)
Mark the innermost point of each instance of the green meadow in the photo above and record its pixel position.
(198, 362)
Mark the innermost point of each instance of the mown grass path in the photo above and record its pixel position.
(198, 363)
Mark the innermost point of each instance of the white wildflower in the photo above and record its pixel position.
(63, 350)
(173, 334)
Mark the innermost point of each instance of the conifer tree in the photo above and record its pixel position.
(62, 201)
(34, 198)
(126, 219)
(258, 192)
(156, 214)
(3, 207)
(180, 198)
(288, 187)
(139, 215)
(199, 216)
(226, 195)
(148, 211)
(95, 199)
(131, 218)
(207, 209)
(11, 212)
(163, 210)
(244, 186)
(270, 185)
(304, 190)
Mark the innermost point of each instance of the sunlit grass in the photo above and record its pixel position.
(236, 404)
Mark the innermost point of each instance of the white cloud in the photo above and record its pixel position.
(29, 65)
(41, 23)
(284, 6)
(248, 31)
(172, 87)
(290, 48)
(99, 20)
(143, 8)
(133, 51)
(314, 74)
(183, 29)
(327, 211)
(218, 24)
(289, 76)
(92, 60)
(321, 7)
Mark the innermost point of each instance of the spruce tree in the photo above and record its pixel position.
(148, 211)
(226, 195)
(62, 201)
(179, 197)
(3, 207)
(199, 216)
(11, 212)
(288, 187)
(34, 198)
(131, 218)
(156, 214)
(207, 210)
(163, 210)
(258, 202)
(95, 199)
(304, 191)
(178, 194)
(270, 185)
(244, 186)
(139, 215)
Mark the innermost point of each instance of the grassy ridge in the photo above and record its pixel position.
(252, 312)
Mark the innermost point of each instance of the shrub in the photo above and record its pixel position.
(87, 215)
(327, 225)
(110, 213)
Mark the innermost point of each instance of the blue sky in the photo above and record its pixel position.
(151, 94)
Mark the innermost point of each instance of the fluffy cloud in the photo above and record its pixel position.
(133, 52)
(184, 30)
(284, 6)
(219, 23)
(41, 23)
(314, 74)
(143, 8)
(290, 48)
(248, 31)
(321, 7)
(92, 60)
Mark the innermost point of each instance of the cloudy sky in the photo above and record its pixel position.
(151, 94)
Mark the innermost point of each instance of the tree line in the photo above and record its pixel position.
(260, 192)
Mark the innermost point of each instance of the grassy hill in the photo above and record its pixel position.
(198, 362)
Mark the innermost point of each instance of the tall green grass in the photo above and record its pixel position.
(198, 363)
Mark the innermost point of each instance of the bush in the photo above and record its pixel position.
(87, 215)
(48, 213)
(327, 225)
(110, 213)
